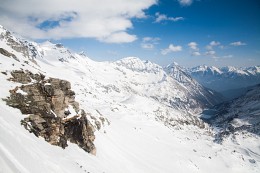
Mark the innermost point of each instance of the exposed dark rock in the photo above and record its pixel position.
(27, 49)
(15, 44)
(25, 77)
(98, 125)
(8, 54)
(47, 101)
(3, 72)
(20, 76)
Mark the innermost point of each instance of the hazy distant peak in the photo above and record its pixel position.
(136, 64)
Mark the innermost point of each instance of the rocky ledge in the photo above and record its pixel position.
(53, 112)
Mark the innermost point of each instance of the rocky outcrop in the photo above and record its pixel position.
(14, 43)
(27, 49)
(53, 112)
(8, 54)
(25, 77)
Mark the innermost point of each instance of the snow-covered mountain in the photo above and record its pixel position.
(195, 90)
(144, 116)
(226, 79)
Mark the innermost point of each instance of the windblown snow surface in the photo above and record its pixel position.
(136, 140)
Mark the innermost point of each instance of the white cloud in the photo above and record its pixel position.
(222, 47)
(196, 53)
(149, 42)
(163, 17)
(185, 2)
(238, 43)
(170, 49)
(193, 45)
(147, 46)
(120, 37)
(151, 39)
(103, 20)
(212, 44)
(228, 56)
(210, 53)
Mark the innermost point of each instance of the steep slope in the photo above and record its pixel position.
(196, 91)
(226, 79)
(151, 125)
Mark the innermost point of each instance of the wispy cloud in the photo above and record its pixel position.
(210, 53)
(119, 37)
(195, 53)
(171, 48)
(106, 22)
(185, 2)
(228, 56)
(193, 45)
(162, 17)
(149, 42)
(238, 43)
(212, 44)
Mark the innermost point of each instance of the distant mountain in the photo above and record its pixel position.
(196, 90)
(226, 79)
(182, 92)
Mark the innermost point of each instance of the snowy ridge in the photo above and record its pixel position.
(228, 71)
(206, 70)
(136, 64)
(196, 90)
(153, 126)
(225, 79)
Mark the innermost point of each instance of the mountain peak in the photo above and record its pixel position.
(136, 64)
(206, 70)
(47, 43)
(82, 53)
(175, 63)
(226, 78)
(2, 29)
(131, 59)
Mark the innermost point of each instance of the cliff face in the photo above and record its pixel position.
(53, 112)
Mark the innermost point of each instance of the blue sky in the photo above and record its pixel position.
(190, 32)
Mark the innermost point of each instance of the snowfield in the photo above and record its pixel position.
(147, 130)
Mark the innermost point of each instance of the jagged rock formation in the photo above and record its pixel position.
(27, 49)
(25, 77)
(53, 112)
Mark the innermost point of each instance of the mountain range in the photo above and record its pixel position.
(229, 81)
(131, 115)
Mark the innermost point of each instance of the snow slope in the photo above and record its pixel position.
(152, 124)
